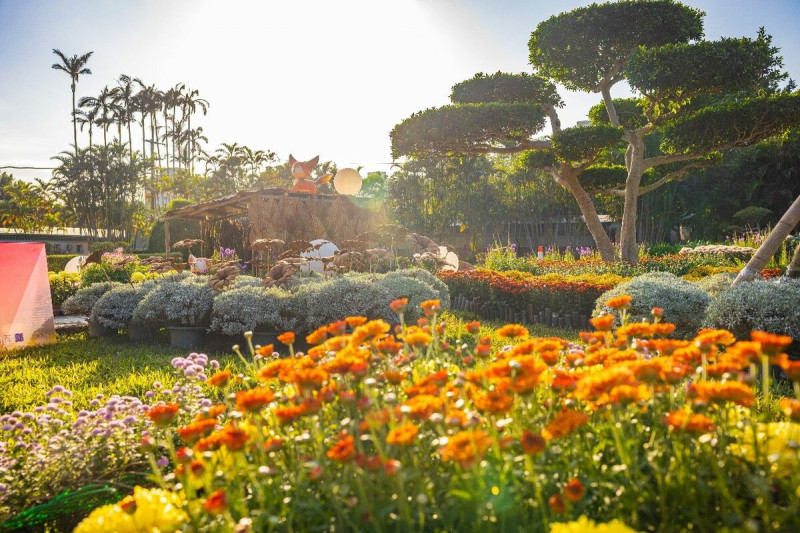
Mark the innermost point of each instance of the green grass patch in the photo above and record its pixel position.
(87, 367)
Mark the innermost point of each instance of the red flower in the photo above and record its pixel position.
(216, 503)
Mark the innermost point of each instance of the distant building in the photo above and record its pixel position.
(60, 240)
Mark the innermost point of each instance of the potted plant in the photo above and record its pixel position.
(267, 312)
(184, 307)
(115, 310)
(82, 302)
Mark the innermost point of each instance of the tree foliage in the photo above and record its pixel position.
(679, 71)
(505, 88)
(588, 47)
(468, 129)
(583, 143)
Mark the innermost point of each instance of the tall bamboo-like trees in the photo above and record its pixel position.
(74, 66)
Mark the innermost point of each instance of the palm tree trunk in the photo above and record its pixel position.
(769, 247)
(74, 121)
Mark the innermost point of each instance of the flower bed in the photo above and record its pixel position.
(374, 431)
(522, 297)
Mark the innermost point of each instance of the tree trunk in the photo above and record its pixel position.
(793, 270)
(629, 249)
(74, 121)
(590, 216)
(769, 247)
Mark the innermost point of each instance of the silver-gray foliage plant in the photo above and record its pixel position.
(82, 302)
(184, 303)
(254, 308)
(684, 303)
(115, 308)
(757, 305)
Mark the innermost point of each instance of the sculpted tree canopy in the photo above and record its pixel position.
(693, 99)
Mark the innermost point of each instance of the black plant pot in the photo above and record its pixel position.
(186, 338)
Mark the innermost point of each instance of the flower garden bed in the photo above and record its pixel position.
(410, 432)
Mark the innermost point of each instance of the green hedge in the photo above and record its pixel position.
(178, 229)
(56, 263)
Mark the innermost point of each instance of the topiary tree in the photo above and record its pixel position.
(695, 98)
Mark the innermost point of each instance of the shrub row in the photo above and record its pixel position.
(187, 300)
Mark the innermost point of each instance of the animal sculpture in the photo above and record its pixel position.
(301, 172)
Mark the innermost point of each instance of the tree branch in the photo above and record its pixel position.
(552, 114)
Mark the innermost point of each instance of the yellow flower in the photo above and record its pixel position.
(156, 510)
(136, 277)
(584, 525)
(776, 442)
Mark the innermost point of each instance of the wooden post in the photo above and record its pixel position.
(167, 246)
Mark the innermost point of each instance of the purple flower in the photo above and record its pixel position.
(162, 462)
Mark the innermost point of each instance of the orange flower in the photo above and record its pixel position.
(286, 338)
(233, 438)
(417, 338)
(636, 329)
(496, 400)
(620, 302)
(657, 312)
(564, 423)
(403, 435)
(466, 447)
(355, 321)
(791, 408)
(663, 329)
(574, 490)
(714, 336)
(792, 368)
(388, 346)
(371, 330)
(399, 305)
(213, 412)
(625, 394)
(422, 406)
(288, 413)
(746, 351)
(310, 378)
(216, 503)
(317, 336)
(395, 377)
(681, 420)
(273, 368)
(771, 344)
(431, 307)
(532, 443)
(473, 327)
(730, 391)
(603, 323)
(512, 331)
(219, 379)
(343, 450)
(337, 328)
(210, 443)
(556, 503)
(266, 351)
(483, 350)
(196, 430)
(162, 414)
(254, 399)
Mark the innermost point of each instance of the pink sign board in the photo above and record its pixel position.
(26, 310)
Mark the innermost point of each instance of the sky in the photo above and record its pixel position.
(327, 78)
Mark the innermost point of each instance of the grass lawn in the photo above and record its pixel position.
(114, 365)
(87, 367)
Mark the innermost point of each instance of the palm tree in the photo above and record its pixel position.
(124, 95)
(87, 118)
(74, 66)
(189, 104)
